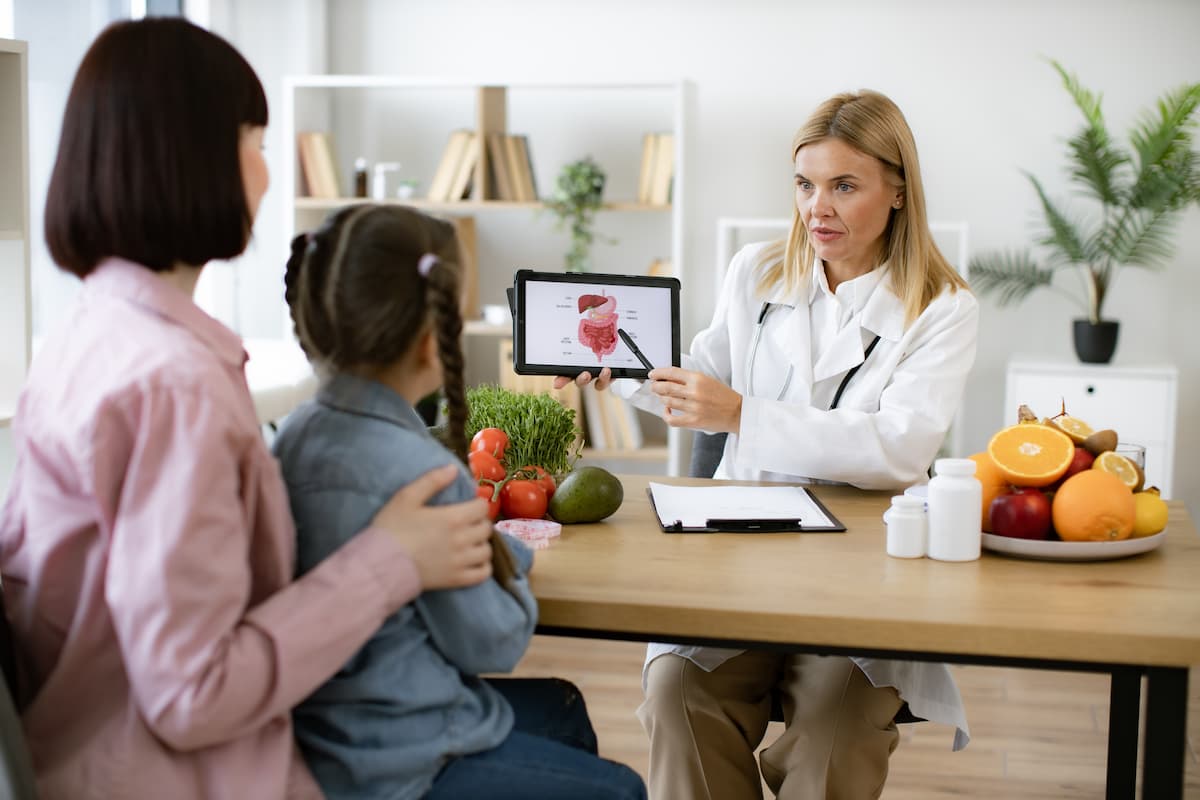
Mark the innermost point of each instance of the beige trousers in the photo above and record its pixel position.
(705, 726)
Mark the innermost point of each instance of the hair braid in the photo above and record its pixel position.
(447, 323)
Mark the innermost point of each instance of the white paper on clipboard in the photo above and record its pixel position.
(692, 507)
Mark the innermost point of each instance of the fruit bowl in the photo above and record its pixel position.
(1071, 551)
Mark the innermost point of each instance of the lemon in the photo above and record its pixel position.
(1150, 514)
(1117, 464)
(1074, 427)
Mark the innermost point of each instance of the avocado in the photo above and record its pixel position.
(589, 494)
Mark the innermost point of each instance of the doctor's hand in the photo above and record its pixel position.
(695, 400)
(584, 378)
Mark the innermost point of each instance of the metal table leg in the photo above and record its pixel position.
(1166, 733)
(1124, 709)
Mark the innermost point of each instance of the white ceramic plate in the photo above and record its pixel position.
(1071, 551)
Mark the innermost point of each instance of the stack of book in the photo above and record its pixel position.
(508, 163)
(658, 169)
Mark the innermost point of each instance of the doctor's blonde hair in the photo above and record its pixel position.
(872, 124)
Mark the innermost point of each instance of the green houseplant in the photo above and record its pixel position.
(578, 194)
(1137, 194)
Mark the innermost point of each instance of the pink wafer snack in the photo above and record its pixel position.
(536, 533)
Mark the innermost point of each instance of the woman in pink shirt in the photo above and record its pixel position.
(146, 546)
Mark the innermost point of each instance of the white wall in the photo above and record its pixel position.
(971, 78)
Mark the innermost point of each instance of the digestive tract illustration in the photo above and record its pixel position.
(598, 325)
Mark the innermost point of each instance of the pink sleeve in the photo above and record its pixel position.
(211, 655)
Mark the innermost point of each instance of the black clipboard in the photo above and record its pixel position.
(754, 525)
(555, 312)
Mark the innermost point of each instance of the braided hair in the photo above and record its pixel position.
(359, 297)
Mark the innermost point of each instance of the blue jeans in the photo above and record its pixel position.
(549, 755)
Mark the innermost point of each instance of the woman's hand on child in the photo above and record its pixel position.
(584, 378)
(695, 400)
(449, 544)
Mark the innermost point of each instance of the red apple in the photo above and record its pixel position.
(1082, 460)
(1022, 513)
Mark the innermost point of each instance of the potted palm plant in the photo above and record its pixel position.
(578, 194)
(1137, 195)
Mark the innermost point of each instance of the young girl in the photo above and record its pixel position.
(374, 297)
(146, 547)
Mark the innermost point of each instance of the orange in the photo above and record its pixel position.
(993, 481)
(1093, 506)
(1120, 466)
(1031, 455)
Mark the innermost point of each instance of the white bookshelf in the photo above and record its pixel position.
(15, 309)
(388, 118)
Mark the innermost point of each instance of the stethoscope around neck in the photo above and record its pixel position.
(787, 381)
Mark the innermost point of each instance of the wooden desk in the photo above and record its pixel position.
(841, 593)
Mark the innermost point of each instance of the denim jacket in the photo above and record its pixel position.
(410, 699)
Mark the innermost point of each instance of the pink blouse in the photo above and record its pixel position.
(147, 554)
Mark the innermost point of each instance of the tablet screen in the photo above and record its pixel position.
(567, 324)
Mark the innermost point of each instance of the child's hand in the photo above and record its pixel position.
(449, 544)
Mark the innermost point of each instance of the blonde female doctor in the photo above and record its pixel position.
(840, 356)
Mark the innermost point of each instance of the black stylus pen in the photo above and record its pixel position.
(625, 337)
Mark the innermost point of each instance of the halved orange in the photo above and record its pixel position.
(1074, 427)
(1031, 455)
(1114, 463)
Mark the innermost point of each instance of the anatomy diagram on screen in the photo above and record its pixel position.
(598, 325)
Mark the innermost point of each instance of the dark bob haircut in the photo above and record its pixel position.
(148, 166)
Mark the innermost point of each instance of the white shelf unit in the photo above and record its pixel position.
(1139, 403)
(407, 120)
(15, 307)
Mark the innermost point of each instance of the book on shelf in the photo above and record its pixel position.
(512, 150)
(520, 168)
(664, 170)
(464, 178)
(447, 168)
(612, 423)
(317, 164)
(528, 177)
(646, 174)
(497, 158)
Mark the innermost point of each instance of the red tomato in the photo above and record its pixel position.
(490, 440)
(544, 478)
(485, 466)
(523, 499)
(488, 492)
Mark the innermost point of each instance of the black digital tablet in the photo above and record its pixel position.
(568, 323)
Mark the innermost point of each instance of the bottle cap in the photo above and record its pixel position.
(954, 466)
(906, 502)
(360, 163)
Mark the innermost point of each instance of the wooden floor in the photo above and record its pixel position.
(1036, 735)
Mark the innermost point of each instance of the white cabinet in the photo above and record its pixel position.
(14, 224)
(1139, 403)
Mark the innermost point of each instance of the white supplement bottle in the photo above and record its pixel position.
(955, 501)
(906, 527)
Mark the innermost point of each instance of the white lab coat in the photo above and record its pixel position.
(887, 427)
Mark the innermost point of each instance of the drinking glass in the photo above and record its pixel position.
(1134, 452)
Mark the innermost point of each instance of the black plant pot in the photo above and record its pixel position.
(1095, 342)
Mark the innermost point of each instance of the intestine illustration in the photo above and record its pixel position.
(598, 326)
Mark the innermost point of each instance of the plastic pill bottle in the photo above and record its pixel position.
(955, 501)
(906, 527)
